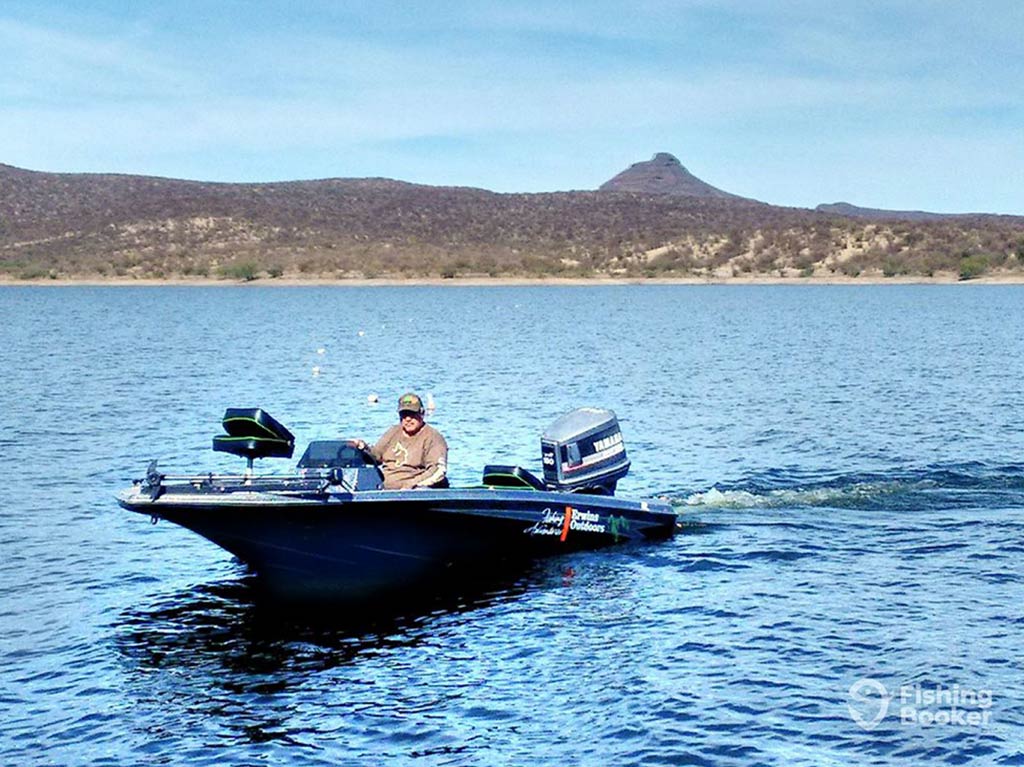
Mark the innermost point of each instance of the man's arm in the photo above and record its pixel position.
(377, 450)
(435, 458)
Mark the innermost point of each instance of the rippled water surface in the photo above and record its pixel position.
(848, 465)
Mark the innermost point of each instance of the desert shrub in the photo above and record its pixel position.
(765, 261)
(679, 259)
(243, 270)
(912, 238)
(196, 270)
(851, 268)
(891, 268)
(973, 266)
(733, 246)
(805, 261)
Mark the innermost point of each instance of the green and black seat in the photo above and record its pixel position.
(512, 477)
(253, 433)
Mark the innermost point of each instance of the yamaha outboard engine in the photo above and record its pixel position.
(583, 452)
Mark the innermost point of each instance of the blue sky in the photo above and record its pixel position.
(888, 104)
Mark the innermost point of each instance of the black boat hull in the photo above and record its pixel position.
(360, 545)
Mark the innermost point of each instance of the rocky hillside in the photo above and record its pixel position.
(116, 226)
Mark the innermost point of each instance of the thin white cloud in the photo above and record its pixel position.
(525, 78)
(47, 64)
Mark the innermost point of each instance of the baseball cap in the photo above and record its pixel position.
(410, 402)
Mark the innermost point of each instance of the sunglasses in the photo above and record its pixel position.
(408, 414)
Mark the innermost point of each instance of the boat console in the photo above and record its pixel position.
(341, 462)
(334, 454)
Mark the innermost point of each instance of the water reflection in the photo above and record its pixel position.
(236, 626)
(232, 663)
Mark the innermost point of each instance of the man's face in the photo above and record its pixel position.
(411, 422)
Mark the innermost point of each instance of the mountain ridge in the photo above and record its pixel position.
(849, 209)
(128, 226)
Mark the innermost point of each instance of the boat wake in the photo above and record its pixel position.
(931, 487)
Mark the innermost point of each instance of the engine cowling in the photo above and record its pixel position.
(583, 452)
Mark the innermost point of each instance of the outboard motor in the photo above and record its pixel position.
(583, 452)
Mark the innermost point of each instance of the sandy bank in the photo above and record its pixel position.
(949, 278)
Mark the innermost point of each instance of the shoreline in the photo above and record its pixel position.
(286, 282)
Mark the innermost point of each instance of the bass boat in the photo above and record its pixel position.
(330, 529)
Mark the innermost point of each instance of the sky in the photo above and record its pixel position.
(904, 105)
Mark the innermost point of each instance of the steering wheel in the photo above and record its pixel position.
(351, 457)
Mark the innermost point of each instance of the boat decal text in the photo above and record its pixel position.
(549, 524)
(561, 523)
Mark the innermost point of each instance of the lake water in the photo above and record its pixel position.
(848, 463)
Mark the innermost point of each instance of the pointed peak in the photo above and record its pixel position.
(662, 174)
(665, 158)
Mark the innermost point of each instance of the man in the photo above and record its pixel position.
(412, 453)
